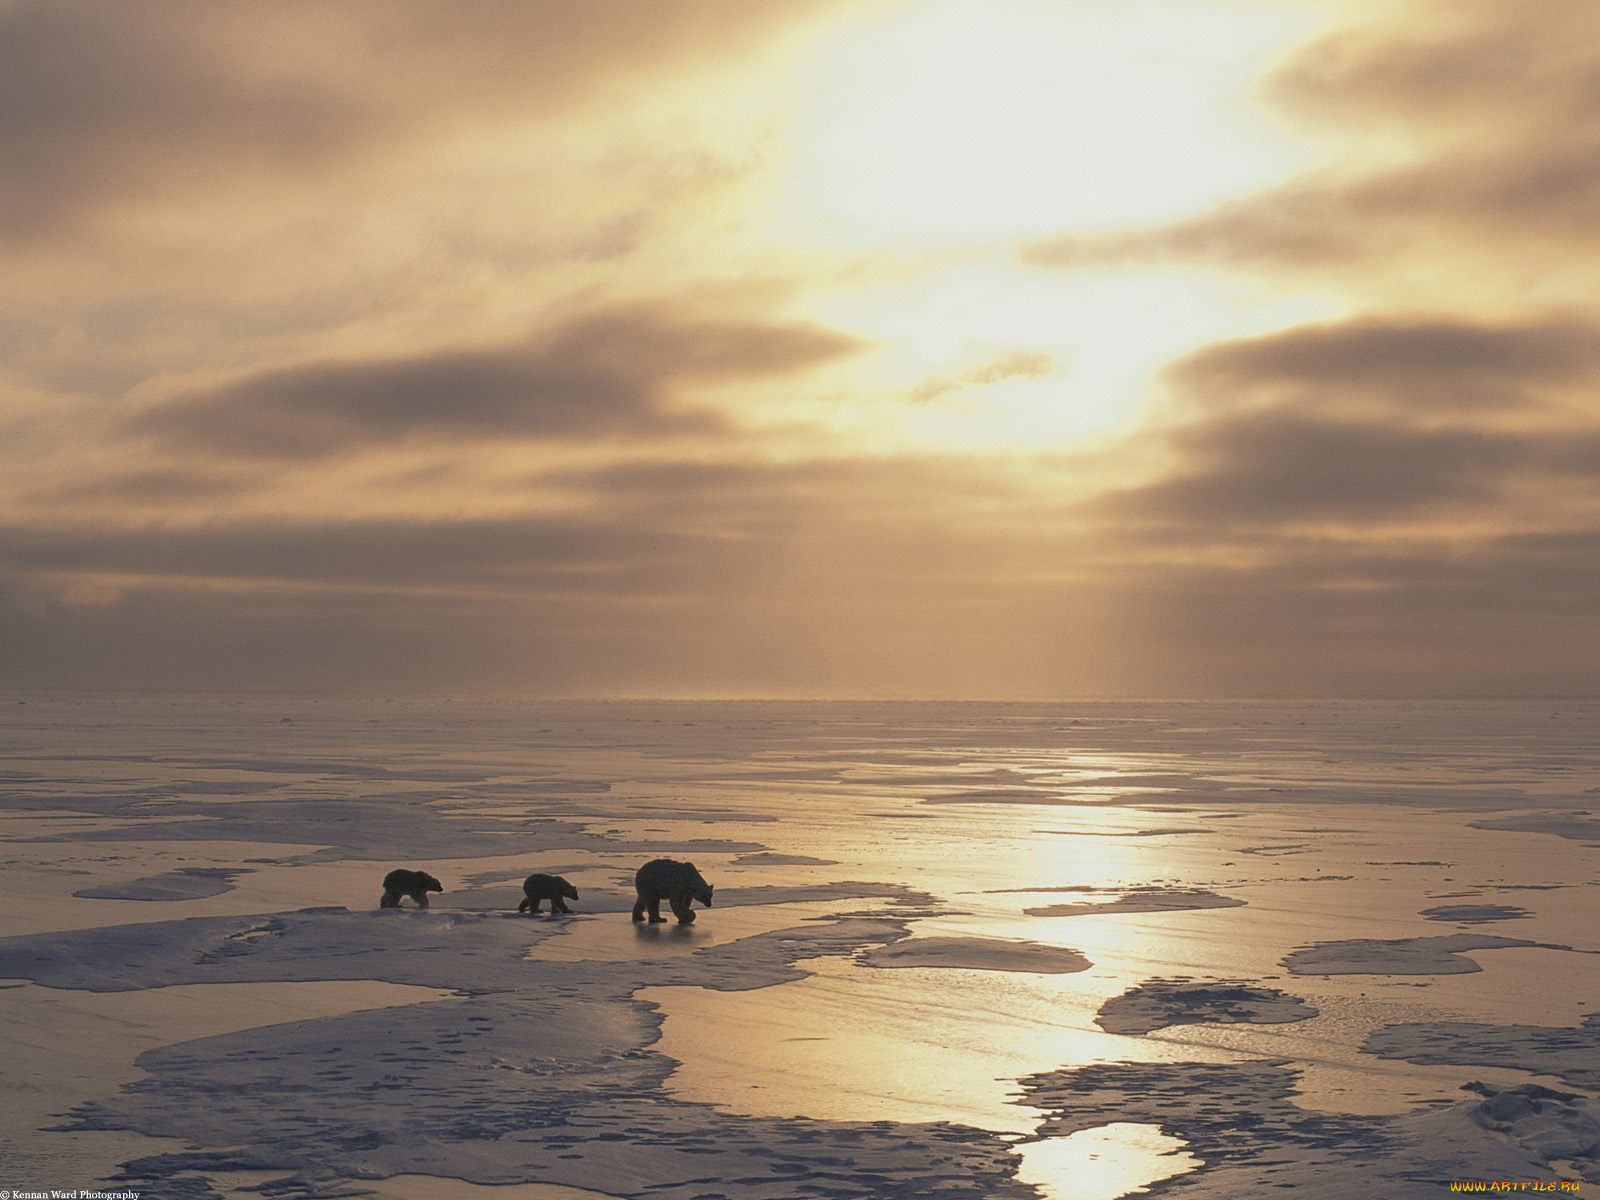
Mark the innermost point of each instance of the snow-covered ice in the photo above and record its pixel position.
(1240, 982)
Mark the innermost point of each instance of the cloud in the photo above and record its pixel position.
(862, 577)
(626, 529)
(1334, 617)
(1283, 467)
(1306, 224)
(1527, 193)
(1398, 500)
(1013, 364)
(520, 552)
(1402, 499)
(1414, 363)
(1489, 126)
(158, 486)
(1368, 421)
(606, 375)
(103, 108)
(97, 104)
(675, 576)
(1472, 60)
(155, 635)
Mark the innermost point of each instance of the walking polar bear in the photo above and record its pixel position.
(401, 882)
(678, 883)
(537, 889)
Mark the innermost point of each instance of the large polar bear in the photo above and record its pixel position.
(678, 883)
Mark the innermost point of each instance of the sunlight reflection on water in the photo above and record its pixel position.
(852, 1043)
(1103, 1163)
(961, 803)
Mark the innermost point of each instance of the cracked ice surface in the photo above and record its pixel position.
(1243, 895)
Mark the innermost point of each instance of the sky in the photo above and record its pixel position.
(858, 348)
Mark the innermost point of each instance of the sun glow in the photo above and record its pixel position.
(956, 120)
(929, 144)
(987, 355)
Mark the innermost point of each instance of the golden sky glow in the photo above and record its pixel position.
(951, 123)
(1042, 347)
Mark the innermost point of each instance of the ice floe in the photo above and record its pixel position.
(1400, 956)
(1163, 1002)
(976, 954)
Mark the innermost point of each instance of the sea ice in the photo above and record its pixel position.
(186, 883)
(1253, 1140)
(1139, 900)
(1475, 914)
(1163, 1002)
(577, 1054)
(976, 954)
(1399, 956)
(1572, 1054)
